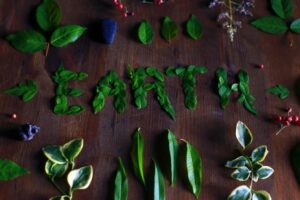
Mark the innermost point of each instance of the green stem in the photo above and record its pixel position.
(57, 186)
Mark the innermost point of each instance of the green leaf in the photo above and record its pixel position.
(137, 155)
(48, 15)
(193, 166)
(54, 153)
(259, 154)
(145, 32)
(158, 185)
(295, 161)
(26, 90)
(10, 170)
(238, 162)
(194, 27)
(243, 134)
(65, 35)
(76, 109)
(279, 90)
(283, 8)
(264, 172)
(240, 193)
(295, 26)
(261, 195)
(55, 170)
(27, 41)
(271, 24)
(72, 149)
(121, 183)
(169, 29)
(64, 197)
(173, 154)
(241, 174)
(79, 179)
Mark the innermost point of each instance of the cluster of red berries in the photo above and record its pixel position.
(288, 119)
(120, 6)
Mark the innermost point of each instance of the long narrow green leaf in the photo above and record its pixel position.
(137, 155)
(121, 183)
(158, 185)
(173, 156)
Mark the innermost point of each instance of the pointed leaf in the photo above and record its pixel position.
(264, 172)
(173, 154)
(53, 153)
(238, 162)
(72, 149)
(169, 29)
(261, 195)
(145, 32)
(243, 134)
(121, 183)
(26, 90)
(241, 174)
(271, 24)
(295, 26)
(279, 90)
(283, 8)
(240, 193)
(48, 15)
(194, 27)
(158, 185)
(79, 179)
(10, 170)
(55, 170)
(259, 154)
(65, 35)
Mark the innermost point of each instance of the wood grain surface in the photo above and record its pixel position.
(107, 135)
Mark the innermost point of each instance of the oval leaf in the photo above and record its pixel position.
(283, 8)
(66, 34)
(137, 155)
(55, 170)
(27, 41)
(270, 24)
(72, 149)
(158, 185)
(121, 183)
(194, 27)
(53, 153)
(261, 195)
(264, 172)
(259, 154)
(295, 161)
(10, 170)
(241, 174)
(79, 179)
(238, 162)
(169, 29)
(48, 15)
(173, 154)
(295, 26)
(243, 134)
(145, 32)
(240, 193)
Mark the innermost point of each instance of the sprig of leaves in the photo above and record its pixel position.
(110, 85)
(225, 90)
(279, 90)
(188, 75)
(60, 160)
(140, 88)
(25, 90)
(62, 77)
(10, 170)
(48, 17)
(169, 29)
(194, 28)
(145, 32)
(249, 167)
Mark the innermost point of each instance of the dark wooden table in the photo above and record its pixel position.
(107, 135)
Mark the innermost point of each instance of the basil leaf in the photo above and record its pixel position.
(48, 15)
(72, 149)
(61, 104)
(27, 41)
(121, 183)
(241, 193)
(27, 90)
(295, 26)
(243, 134)
(279, 90)
(241, 174)
(65, 35)
(169, 29)
(54, 153)
(270, 24)
(194, 27)
(64, 197)
(158, 185)
(145, 32)
(295, 161)
(283, 8)
(79, 179)
(264, 172)
(261, 195)
(76, 109)
(259, 154)
(238, 162)
(173, 156)
(137, 155)
(10, 170)
(55, 170)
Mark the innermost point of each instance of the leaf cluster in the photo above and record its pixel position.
(279, 90)
(25, 90)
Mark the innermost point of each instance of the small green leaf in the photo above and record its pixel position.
(158, 185)
(279, 90)
(173, 154)
(264, 172)
(283, 8)
(238, 162)
(137, 155)
(26, 90)
(259, 154)
(240, 193)
(241, 174)
(295, 161)
(76, 109)
(79, 179)
(27, 41)
(145, 32)
(169, 29)
(72, 149)
(194, 27)
(65, 35)
(48, 15)
(271, 24)
(53, 153)
(295, 26)
(10, 170)
(121, 183)
(261, 195)
(243, 134)
(55, 170)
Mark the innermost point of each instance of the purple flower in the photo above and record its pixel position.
(28, 131)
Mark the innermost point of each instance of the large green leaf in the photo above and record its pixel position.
(55, 170)
(54, 153)
(264, 172)
(121, 183)
(243, 134)
(158, 185)
(79, 179)
(65, 35)
(295, 26)
(173, 156)
(27, 41)
(72, 149)
(240, 193)
(145, 32)
(259, 154)
(169, 29)
(271, 24)
(10, 170)
(283, 8)
(137, 155)
(238, 162)
(295, 161)
(261, 195)
(194, 27)
(48, 15)
(241, 174)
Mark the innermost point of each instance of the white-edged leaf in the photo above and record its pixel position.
(53, 153)
(259, 154)
(79, 179)
(238, 162)
(261, 195)
(240, 193)
(264, 172)
(243, 134)
(241, 174)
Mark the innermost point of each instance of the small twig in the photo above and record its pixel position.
(57, 186)
(281, 129)
(47, 49)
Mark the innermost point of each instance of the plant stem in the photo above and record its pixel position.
(57, 186)
(47, 49)
(281, 129)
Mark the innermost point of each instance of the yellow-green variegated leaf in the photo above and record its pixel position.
(72, 149)
(261, 195)
(259, 154)
(240, 193)
(264, 172)
(243, 134)
(54, 153)
(79, 179)
(238, 162)
(241, 174)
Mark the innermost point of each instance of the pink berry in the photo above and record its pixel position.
(295, 118)
(120, 6)
(290, 119)
(116, 2)
(261, 66)
(125, 14)
(14, 116)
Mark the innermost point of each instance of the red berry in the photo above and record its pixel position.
(278, 118)
(14, 116)
(125, 14)
(290, 119)
(120, 6)
(287, 123)
(295, 118)
(116, 2)
(261, 66)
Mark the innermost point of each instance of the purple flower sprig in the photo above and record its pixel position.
(226, 18)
